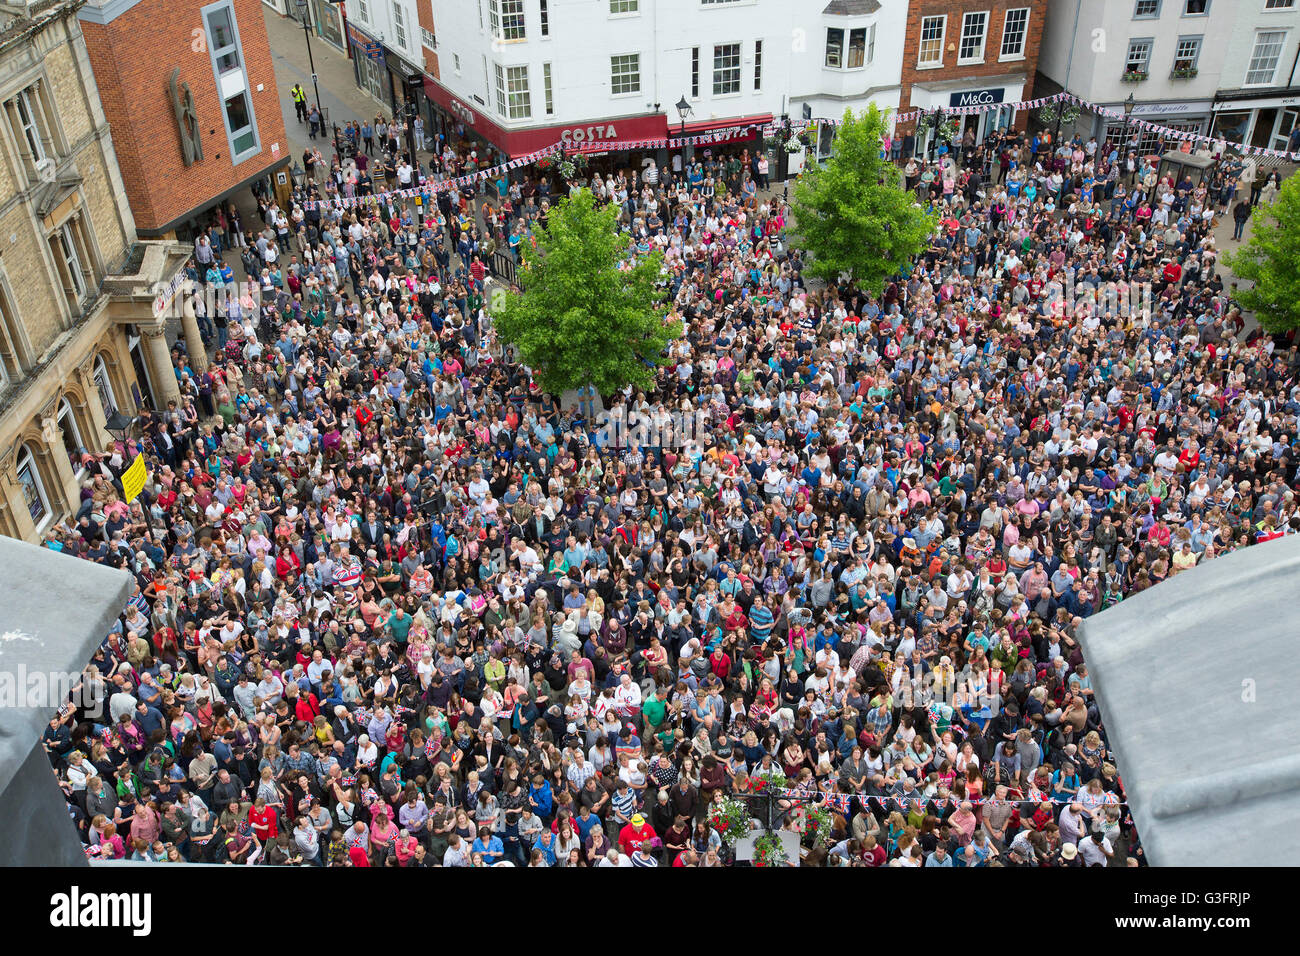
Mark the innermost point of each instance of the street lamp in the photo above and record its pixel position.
(1128, 111)
(683, 111)
(118, 425)
(304, 14)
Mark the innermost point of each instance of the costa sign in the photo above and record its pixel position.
(462, 111)
(588, 134)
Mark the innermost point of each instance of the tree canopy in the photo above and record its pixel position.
(1271, 260)
(853, 214)
(589, 314)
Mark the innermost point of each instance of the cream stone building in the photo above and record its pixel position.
(82, 326)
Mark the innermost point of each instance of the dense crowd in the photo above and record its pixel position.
(397, 607)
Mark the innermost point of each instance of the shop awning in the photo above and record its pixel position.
(726, 122)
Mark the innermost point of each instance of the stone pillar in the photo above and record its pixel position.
(193, 337)
(159, 358)
(97, 440)
(69, 492)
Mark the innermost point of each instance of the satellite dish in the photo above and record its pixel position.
(46, 171)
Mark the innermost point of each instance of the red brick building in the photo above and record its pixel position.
(191, 100)
(960, 54)
(424, 10)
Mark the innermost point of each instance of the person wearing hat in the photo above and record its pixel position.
(636, 831)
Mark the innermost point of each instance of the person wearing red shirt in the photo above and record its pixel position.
(633, 833)
(720, 663)
(263, 820)
(873, 854)
(307, 709)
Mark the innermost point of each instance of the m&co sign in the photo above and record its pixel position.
(977, 97)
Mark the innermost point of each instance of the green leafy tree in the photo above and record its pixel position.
(1271, 260)
(581, 319)
(853, 214)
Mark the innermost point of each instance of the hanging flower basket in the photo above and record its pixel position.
(1184, 73)
(948, 131)
(731, 818)
(769, 851)
(820, 824)
(793, 145)
(770, 779)
(1068, 113)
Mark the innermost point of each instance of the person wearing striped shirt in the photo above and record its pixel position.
(761, 621)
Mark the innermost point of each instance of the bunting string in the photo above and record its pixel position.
(429, 188)
(841, 801)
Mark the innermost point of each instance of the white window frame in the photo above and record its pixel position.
(921, 62)
(509, 24)
(758, 65)
(1145, 66)
(1019, 52)
(1276, 6)
(731, 73)
(624, 8)
(837, 63)
(544, 18)
(513, 103)
(973, 16)
(1283, 36)
(695, 73)
(104, 385)
(848, 49)
(1199, 40)
(624, 82)
(11, 358)
(547, 91)
(1203, 13)
(29, 121)
(1154, 15)
(67, 421)
(70, 255)
(27, 463)
(232, 83)
(361, 9)
(400, 36)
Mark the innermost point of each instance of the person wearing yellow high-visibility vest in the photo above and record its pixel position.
(299, 102)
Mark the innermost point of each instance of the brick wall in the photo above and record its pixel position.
(424, 9)
(990, 67)
(133, 57)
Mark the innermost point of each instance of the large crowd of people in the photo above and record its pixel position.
(397, 607)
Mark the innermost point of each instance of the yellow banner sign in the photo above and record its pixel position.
(133, 479)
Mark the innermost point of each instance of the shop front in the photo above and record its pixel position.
(1263, 118)
(325, 17)
(1184, 116)
(981, 105)
(368, 69)
(464, 121)
(400, 73)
